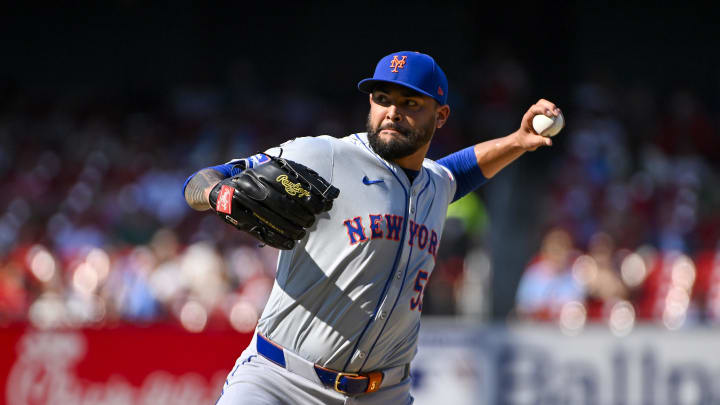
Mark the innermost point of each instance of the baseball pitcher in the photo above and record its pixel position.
(358, 221)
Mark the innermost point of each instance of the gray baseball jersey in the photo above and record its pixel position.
(348, 296)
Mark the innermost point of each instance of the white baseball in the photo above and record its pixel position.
(547, 126)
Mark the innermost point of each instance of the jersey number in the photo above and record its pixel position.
(416, 301)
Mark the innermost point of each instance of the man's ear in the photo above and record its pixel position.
(441, 115)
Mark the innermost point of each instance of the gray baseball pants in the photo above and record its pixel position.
(255, 380)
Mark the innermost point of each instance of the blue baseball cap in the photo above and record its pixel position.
(413, 70)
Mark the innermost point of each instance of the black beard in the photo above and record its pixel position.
(399, 146)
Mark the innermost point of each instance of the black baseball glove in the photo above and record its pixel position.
(274, 202)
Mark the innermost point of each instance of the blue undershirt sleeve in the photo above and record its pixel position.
(228, 169)
(463, 165)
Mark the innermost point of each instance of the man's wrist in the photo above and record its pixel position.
(516, 143)
(206, 194)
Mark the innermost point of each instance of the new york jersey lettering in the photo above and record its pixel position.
(422, 237)
(432, 249)
(375, 226)
(394, 226)
(413, 231)
(419, 235)
(355, 230)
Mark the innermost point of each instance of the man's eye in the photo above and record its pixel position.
(381, 98)
(412, 103)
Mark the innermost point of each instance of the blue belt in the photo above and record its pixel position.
(344, 383)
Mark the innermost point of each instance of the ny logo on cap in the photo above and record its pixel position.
(396, 63)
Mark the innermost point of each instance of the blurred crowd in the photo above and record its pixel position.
(94, 230)
(633, 224)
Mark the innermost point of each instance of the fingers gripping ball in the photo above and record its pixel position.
(275, 202)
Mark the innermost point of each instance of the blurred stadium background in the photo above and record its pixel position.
(584, 273)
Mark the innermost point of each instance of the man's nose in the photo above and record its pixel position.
(393, 114)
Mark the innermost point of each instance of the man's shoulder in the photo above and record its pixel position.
(437, 169)
(320, 147)
(345, 143)
(330, 140)
(358, 139)
(308, 140)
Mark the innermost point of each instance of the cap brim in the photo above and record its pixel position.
(367, 86)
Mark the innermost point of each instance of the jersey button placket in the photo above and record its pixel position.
(412, 201)
(394, 291)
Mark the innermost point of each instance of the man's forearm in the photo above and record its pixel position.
(493, 155)
(199, 187)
